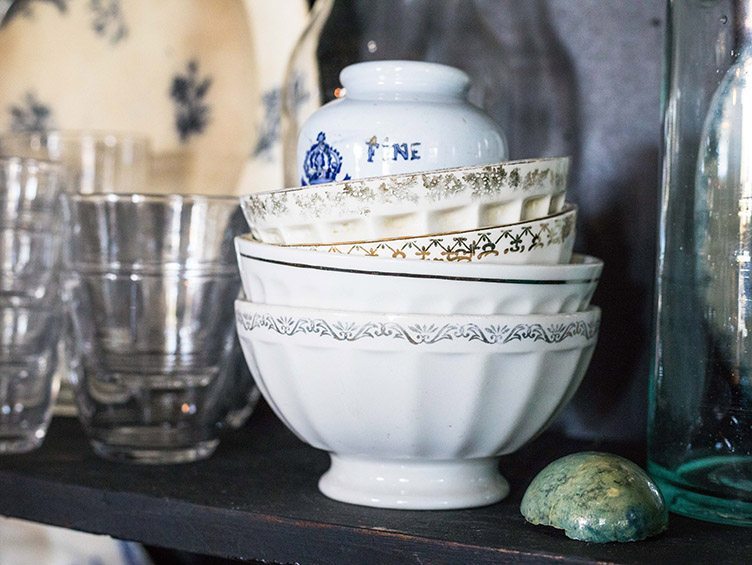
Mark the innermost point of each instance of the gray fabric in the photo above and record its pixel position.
(616, 48)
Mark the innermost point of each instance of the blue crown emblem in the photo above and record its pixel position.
(322, 163)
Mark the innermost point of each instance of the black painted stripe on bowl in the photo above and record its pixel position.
(414, 275)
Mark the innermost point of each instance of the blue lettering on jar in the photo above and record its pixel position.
(386, 151)
(400, 149)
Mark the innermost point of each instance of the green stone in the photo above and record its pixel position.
(596, 497)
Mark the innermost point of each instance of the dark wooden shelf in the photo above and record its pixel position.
(256, 498)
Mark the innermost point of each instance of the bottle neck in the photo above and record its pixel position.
(404, 80)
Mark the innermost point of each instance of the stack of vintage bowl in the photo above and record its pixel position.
(416, 360)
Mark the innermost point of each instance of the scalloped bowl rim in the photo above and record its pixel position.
(338, 185)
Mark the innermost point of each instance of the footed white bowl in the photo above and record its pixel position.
(289, 276)
(409, 203)
(414, 409)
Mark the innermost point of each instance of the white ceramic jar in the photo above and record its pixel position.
(397, 117)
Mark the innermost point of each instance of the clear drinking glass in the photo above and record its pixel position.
(96, 161)
(700, 425)
(29, 361)
(30, 301)
(93, 161)
(152, 284)
(30, 224)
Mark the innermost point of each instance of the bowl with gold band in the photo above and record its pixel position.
(544, 241)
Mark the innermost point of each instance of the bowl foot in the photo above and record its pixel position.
(414, 484)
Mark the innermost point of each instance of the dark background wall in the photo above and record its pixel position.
(600, 67)
(616, 50)
(577, 77)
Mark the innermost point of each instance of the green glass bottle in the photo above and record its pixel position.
(700, 426)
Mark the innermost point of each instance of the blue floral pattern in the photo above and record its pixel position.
(24, 8)
(108, 21)
(270, 129)
(31, 115)
(188, 92)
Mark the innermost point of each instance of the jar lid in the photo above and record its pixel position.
(381, 78)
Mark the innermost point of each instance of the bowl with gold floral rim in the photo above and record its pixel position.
(407, 204)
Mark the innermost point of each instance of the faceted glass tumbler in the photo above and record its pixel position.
(151, 281)
(29, 361)
(93, 161)
(30, 301)
(30, 226)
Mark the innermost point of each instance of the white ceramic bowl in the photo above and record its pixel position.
(415, 409)
(289, 276)
(547, 241)
(409, 203)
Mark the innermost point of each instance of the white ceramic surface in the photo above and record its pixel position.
(410, 204)
(397, 117)
(548, 241)
(298, 277)
(275, 29)
(413, 408)
(152, 68)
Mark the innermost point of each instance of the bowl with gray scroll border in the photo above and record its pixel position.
(414, 409)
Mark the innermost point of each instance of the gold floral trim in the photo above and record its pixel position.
(358, 196)
(475, 246)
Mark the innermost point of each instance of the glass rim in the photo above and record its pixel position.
(28, 162)
(47, 307)
(138, 197)
(187, 267)
(110, 137)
